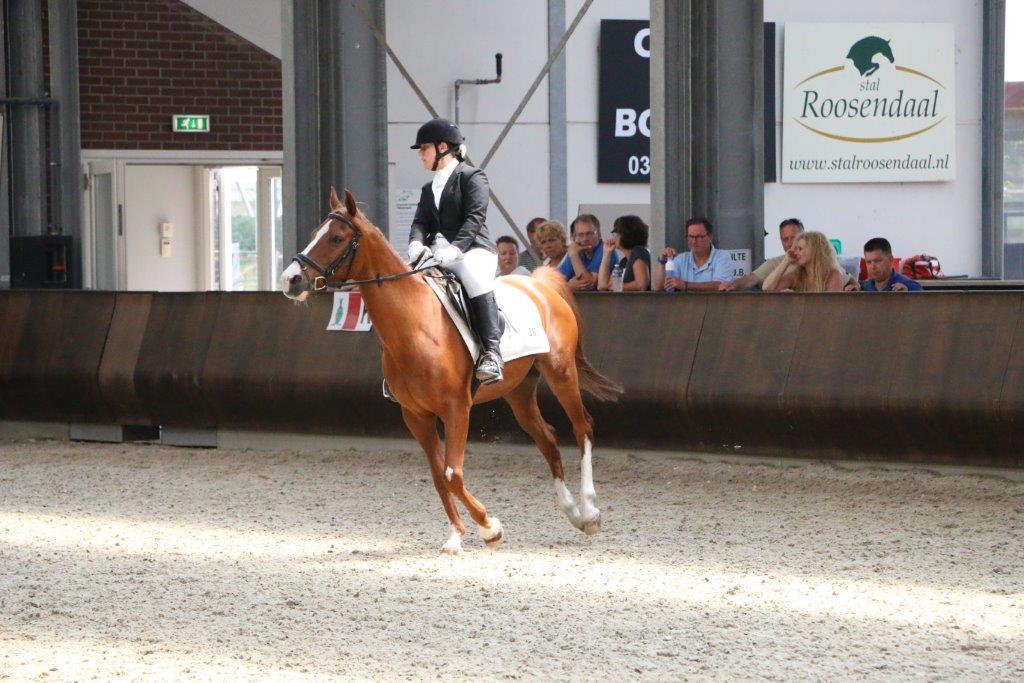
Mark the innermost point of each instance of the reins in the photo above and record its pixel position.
(323, 281)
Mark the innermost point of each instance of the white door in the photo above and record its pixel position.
(105, 246)
(160, 228)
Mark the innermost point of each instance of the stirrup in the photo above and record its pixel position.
(488, 369)
(386, 390)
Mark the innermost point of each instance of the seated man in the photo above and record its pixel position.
(702, 269)
(508, 257)
(789, 230)
(881, 276)
(527, 259)
(585, 252)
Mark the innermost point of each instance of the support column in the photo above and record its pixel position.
(67, 195)
(28, 152)
(993, 75)
(335, 113)
(558, 154)
(671, 194)
(707, 109)
(5, 174)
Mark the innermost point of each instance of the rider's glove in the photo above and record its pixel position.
(447, 255)
(415, 249)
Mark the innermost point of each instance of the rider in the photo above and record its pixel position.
(454, 207)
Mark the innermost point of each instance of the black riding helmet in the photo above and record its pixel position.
(436, 131)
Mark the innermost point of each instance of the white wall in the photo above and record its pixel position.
(943, 219)
(519, 170)
(259, 22)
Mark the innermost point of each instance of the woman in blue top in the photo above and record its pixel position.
(629, 235)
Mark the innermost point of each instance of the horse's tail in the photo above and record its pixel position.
(591, 381)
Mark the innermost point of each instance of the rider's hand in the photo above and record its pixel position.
(415, 249)
(447, 255)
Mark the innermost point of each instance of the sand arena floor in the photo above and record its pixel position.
(146, 562)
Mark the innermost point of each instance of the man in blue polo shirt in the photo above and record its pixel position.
(881, 276)
(585, 251)
(702, 269)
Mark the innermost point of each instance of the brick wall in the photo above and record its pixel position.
(142, 61)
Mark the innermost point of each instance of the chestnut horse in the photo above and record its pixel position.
(428, 368)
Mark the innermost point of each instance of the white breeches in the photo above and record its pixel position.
(476, 270)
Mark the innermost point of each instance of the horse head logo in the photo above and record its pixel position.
(863, 51)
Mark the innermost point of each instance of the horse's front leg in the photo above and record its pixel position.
(456, 433)
(424, 428)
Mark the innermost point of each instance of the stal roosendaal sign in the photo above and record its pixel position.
(868, 103)
(624, 102)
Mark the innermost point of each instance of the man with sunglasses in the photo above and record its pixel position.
(701, 269)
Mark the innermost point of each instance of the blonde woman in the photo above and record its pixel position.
(810, 266)
(553, 243)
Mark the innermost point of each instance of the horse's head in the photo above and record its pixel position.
(863, 54)
(329, 256)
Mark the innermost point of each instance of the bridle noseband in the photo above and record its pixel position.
(323, 280)
(320, 282)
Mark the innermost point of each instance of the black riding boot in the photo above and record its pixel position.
(488, 326)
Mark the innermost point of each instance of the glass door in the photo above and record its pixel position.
(107, 228)
(246, 221)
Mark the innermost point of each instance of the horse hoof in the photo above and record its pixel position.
(493, 533)
(450, 549)
(453, 546)
(494, 542)
(592, 526)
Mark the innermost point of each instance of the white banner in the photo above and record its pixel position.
(740, 262)
(404, 209)
(868, 103)
(349, 313)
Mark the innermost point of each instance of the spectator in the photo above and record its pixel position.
(526, 256)
(788, 231)
(816, 267)
(629, 234)
(551, 237)
(585, 251)
(508, 257)
(881, 276)
(702, 269)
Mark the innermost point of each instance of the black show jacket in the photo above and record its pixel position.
(461, 218)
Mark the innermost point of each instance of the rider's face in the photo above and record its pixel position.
(427, 154)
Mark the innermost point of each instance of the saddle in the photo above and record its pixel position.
(522, 332)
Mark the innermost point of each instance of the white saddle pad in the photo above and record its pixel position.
(523, 335)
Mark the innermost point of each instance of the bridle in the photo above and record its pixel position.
(346, 256)
(322, 281)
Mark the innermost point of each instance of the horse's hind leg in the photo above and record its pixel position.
(424, 428)
(523, 400)
(564, 382)
(456, 433)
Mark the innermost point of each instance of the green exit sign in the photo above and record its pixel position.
(190, 123)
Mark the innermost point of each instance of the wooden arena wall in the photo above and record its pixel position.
(937, 377)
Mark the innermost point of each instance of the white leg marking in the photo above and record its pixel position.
(453, 546)
(448, 472)
(588, 496)
(492, 533)
(567, 504)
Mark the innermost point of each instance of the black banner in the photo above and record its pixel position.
(624, 102)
